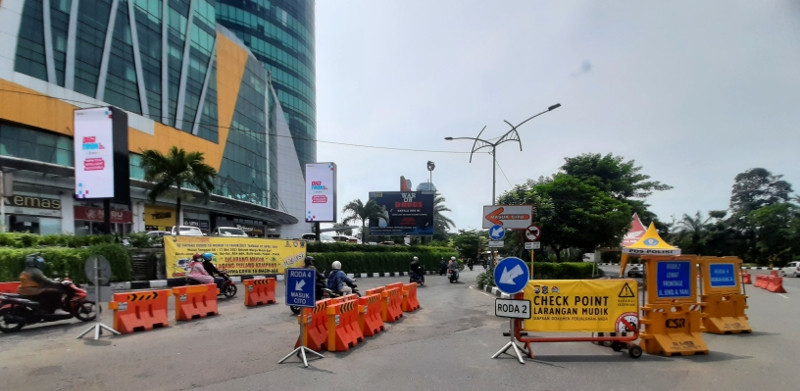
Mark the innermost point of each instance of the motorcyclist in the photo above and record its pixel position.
(212, 270)
(453, 266)
(319, 280)
(197, 272)
(338, 280)
(442, 267)
(416, 269)
(34, 285)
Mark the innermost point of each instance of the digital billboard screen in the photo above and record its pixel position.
(408, 213)
(321, 192)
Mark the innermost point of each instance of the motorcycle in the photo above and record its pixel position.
(17, 311)
(452, 275)
(228, 288)
(327, 294)
(416, 277)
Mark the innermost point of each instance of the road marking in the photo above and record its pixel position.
(784, 296)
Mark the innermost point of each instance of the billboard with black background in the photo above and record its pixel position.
(409, 213)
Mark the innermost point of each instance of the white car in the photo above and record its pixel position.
(791, 269)
(187, 230)
(229, 231)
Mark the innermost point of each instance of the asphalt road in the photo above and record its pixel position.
(445, 345)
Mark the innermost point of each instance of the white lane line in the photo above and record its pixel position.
(782, 295)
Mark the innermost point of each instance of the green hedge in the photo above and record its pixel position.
(66, 262)
(379, 261)
(27, 240)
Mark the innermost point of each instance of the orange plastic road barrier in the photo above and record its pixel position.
(775, 284)
(343, 329)
(369, 312)
(9, 287)
(374, 291)
(140, 311)
(672, 329)
(773, 273)
(259, 292)
(760, 281)
(316, 320)
(195, 301)
(746, 279)
(391, 304)
(410, 302)
(724, 313)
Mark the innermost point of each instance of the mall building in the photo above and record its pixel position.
(183, 79)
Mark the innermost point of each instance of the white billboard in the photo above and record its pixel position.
(94, 153)
(321, 192)
(508, 216)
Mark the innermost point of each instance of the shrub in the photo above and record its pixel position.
(66, 262)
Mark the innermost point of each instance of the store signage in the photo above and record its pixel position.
(97, 214)
(33, 202)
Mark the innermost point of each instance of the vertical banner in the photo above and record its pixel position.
(321, 192)
(101, 154)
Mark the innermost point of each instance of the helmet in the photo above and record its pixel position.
(336, 265)
(452, 258)
(197, 256)
(208, 256)
(34, 260)
(415, 259)
(309, 261)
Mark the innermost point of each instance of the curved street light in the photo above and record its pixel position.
(511, 135)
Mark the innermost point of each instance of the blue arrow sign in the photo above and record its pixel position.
(300, 287)
(497, 232)
(511, 275)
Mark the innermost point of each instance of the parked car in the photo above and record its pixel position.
(345, 238)
(187, 230)
(324, 237)
(791, 269)
(636, 271)
(156, 238)
(229, 231)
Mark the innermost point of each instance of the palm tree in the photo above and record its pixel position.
(441, 223)
(178, 168)
(692, 232)
(359, 211)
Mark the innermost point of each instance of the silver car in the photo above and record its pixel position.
(792, 269)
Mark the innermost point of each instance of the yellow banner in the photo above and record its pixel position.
(239, 256)
(582, 305)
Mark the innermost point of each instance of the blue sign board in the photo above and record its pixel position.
(511, 275)
(497, 232)
(674, 279)
(722, 275)
(300, 287)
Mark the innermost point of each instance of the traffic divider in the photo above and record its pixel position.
(374, 291)
(773, 273)
(761, 281)
(672, 329)
(410, 303)
(775, 284)
(391, 304)
(369, 318)
(316, 330)
(343, 329)
(140, 311)
(746, 278)
(259, 291)
(9, 287)
(195, 301)
(724, 313)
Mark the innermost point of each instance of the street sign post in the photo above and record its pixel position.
(300, 292)
(518, 309)
(508, 216)
(533, 233)
(497, 232)
(511, 275)
(533, 245)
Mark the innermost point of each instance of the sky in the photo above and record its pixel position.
(693, 92)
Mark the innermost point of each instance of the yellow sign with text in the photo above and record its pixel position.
(238, 256)
(582, 305)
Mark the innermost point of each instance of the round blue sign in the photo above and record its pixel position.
(497, 232)
(511, 275)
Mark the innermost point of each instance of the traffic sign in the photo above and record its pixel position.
(520, 309)
(673, 280)
(497, 232)
(300, 287)
(509, 216)
(511, 275)
(533, 245)
(496, 243)
(533, 233)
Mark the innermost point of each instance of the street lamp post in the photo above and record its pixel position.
(431, 166)
(511, 135)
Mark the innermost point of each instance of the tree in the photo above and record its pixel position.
(773, 229)
(469, 244)
(180, 169)
(358, 211)
(441, 223)
(343, 229)
(756, 188)
(623, 180)
(692, 233)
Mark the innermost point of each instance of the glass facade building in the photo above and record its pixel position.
(280, 33)
(183, 79)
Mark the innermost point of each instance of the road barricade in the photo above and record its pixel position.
(761, 281)
(140, 311)
(369, 318)
(775, 284)
(259, 292)
(410, 302)
(343, 329)
(9, 287)
(673, 329)
(773, 273)
(195, 301)
(746, 278)
(724, 313)
(391, 304)
(374, 291)
(316, 320)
